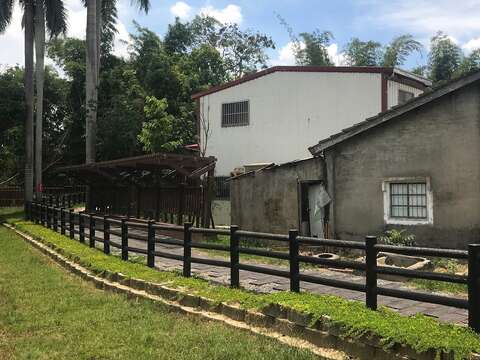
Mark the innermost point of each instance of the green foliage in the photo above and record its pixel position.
(398, 237)
(444, 58)
(421, 332)
(82, 322)
(156, 134)
(314, 50)
(362, 53)
(371, 53)
(397, 51)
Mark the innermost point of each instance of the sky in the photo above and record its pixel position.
(378, 20)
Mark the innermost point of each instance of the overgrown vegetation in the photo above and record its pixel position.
(45, 313)
(398, 238)
(420, 332)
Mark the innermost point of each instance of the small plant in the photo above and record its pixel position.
(398, 238)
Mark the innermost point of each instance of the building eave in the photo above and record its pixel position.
(393, 113)
(389, 71)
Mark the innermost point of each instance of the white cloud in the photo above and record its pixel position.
(229, 14)
(471, 45)
(182, 10)
(425, 17)
(12, 41)
(338, 58)
(286, 55)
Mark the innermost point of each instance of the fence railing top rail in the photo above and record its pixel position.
(210, 231)
(415, 251)
(330, 242)
(260, 235)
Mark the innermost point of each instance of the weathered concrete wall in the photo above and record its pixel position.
(221, 211)
(441, 141)
(267, 200)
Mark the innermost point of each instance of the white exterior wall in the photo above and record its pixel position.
(393, 88)
(289, 111)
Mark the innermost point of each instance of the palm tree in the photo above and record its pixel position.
(53, 13)
(97, 10)
(6, 11)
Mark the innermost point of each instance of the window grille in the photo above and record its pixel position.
(408, 200)
(235, 114)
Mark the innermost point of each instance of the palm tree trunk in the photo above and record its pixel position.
(91, 81)
(29, 91)
(99, 38)
(40, 79)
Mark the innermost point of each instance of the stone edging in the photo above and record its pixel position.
(285, 324)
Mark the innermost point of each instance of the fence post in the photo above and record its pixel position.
(25, 208)
(234, 257)
(371, 272)
(106, 235)
(187, 249)
(71, 223)
(43, 214)
(62, 221)
(294, 263)
(91, 231)
(81, 227)
(124, 239)
(474, 286)
(69, 200)
(151, 244)
(47, 216)
(55, 219)
(37, 213)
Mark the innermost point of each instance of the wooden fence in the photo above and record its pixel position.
(13, 196)
(63, 220)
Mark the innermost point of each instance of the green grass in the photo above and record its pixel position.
(439, 286)
(420, 332)
(48, 314)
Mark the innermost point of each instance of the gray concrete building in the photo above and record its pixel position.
(276, 198)
(416, 166)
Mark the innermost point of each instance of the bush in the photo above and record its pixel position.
(398, 238)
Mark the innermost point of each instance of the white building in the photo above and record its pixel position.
(274, 115)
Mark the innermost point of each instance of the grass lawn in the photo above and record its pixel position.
(46, 313)
(420, 332)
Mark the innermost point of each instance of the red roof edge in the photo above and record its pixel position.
(338, 69)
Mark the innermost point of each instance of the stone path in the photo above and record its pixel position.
(268, 283)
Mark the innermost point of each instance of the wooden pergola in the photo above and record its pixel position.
(160, 186)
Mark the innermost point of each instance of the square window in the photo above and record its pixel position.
(236, 114)
(408, 201)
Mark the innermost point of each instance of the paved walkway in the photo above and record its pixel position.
(268, 283)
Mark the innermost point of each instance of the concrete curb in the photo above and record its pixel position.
(285, 324)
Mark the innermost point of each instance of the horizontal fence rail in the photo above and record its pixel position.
(100, 228)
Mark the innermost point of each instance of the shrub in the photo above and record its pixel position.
(398, 238)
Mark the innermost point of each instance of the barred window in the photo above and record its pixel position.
(404, 96)
(235, 114)
(222, 187)
(408, 200)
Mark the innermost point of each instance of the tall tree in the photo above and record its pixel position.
(29, 94)
(314, 49)
(444, 58)
(362, 53)
(53, 13)
(397, 51)
(6, 11)
(94, 40)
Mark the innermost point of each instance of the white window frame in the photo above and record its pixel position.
(406, 221)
